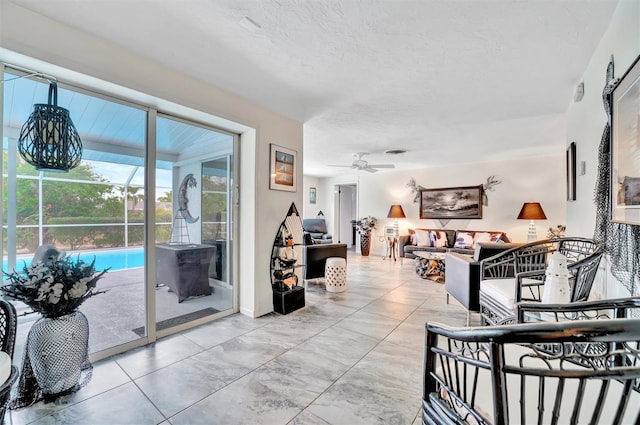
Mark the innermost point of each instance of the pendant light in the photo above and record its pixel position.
(48, 140)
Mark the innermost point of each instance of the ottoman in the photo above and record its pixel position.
(335, 274)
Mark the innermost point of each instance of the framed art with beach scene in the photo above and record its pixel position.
(283, 169)
(451, 202)
(625, 148)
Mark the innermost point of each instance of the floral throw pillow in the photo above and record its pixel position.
(464, 240)
(438, 239)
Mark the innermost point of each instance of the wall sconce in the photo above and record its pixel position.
(396, 212)
(48, 140)
(532, 211)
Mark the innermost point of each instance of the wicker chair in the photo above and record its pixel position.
(517, 275)
(583, 371)
(8, 327)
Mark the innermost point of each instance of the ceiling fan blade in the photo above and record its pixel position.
(369, 169)
(345, 166)
(381, 165)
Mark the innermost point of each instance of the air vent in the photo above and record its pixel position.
(395, 151)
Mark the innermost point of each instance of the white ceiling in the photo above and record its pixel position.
(450, 81)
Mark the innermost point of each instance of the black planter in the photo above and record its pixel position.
(284, 302)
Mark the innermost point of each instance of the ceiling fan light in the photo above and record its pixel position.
(48, 139)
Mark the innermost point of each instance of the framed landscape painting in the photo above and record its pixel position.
(451, 202)
(625, 148)
(283, 169)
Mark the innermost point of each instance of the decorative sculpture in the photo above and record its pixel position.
(183, 203)
(415, 189)
(489, 187)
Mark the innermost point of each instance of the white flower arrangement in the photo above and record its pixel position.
(54, 288)
(366, 225)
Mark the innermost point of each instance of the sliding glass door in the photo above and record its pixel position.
(99, 210)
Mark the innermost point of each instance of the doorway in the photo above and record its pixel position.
(346, 202)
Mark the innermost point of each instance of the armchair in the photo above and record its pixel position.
(462, 280)
(575, 372)
(518, 275)
(317, 228)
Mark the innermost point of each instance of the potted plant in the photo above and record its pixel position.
(365, 226)
(56, 354)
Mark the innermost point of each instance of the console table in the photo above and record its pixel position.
(184, 268)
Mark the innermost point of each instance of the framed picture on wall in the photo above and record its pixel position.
(283, 169)
(451, 202)
(571, 172)
(312, 195)
(625, 148)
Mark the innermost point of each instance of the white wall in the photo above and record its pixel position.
(586, 121)
(537, 179)
(310, 210)
(30, 40)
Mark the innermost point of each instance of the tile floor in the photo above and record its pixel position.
(349, 358)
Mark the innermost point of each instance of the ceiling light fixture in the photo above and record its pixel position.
(48, 140)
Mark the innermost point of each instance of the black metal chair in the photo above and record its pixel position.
(8, 328)
(517, 275)
(581, 371)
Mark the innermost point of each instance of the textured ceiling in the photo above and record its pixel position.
(451, 81)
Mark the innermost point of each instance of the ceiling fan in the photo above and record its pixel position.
(362, 165)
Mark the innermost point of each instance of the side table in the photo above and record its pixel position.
(430, 265)
(392, 247)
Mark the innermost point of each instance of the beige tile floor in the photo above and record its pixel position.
(349, 358)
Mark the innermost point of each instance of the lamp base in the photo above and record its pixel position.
(532, 233)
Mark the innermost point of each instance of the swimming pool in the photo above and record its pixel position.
(117, 259)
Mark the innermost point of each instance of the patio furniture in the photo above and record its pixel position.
(8, 328)
(518, 274)
(184, 268)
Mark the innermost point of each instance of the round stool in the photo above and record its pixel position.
(335, 274)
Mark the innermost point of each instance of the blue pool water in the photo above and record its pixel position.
(117, 259)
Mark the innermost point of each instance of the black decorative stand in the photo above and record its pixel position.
(288, 296)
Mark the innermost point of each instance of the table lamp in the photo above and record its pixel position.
(396, 212)
(532, 211)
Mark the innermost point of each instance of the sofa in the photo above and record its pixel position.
(317, 228)
(445, 240)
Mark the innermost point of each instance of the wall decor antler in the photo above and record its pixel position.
(415, 189)
(489, 186)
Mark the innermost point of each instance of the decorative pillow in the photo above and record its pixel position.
(422, 238)
(413, 239)
(464, 240)
(497, 237)
(481, 237)
(438, 239)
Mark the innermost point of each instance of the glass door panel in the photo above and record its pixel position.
(188, 259)
(92, 211)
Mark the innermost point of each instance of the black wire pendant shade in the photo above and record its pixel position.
(48, 140)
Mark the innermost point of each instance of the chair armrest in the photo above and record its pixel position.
(462, 279)
(584, 310)
(402, 241)
(531, 287)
